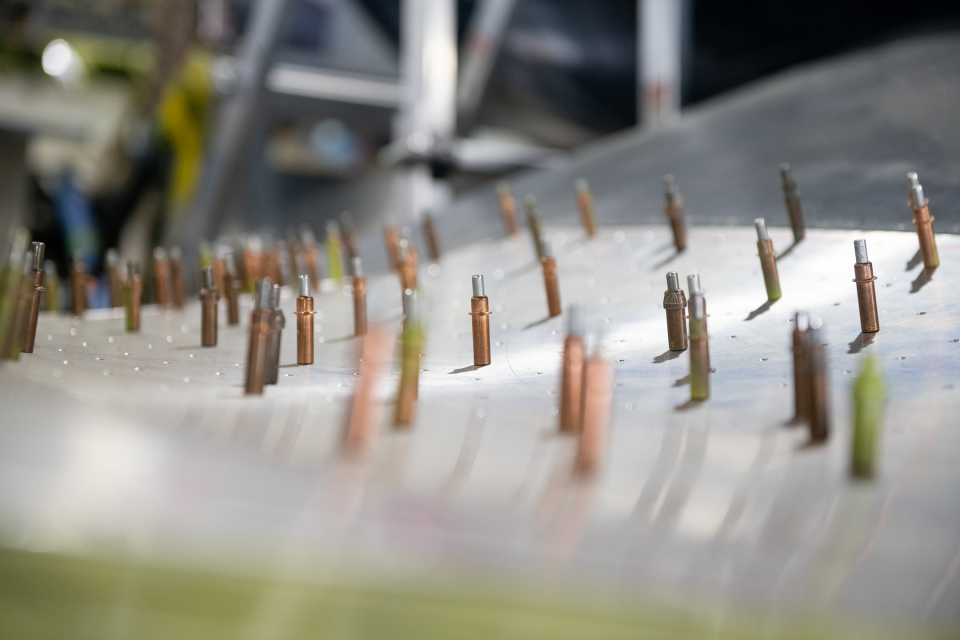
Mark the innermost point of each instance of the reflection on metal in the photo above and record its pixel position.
(323, 84)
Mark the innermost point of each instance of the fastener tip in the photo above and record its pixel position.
(478, 291)
(303, 288)
(357, 267)
(546, 248)
(575, 319)
(801, 320)
(38, 250)
(159, 253)
(275, 296)
(693, 284)
(912, 180)
(917, 196)
(860, 249)
(673, 281)
(333, 229)
(696, 306)
(761, 229)
(410, 308)
(208, 277)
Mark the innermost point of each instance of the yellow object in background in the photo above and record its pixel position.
(183, 118)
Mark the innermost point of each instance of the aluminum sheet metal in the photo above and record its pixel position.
(142, 446)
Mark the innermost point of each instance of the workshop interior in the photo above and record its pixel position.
(376, 319)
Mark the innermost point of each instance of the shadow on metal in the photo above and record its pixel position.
(861, 341)
(668, 355)
(759, 310)
(925, 276)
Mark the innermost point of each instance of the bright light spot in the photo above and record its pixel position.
(434, 270)
(498, 274)
(815, 322)
(619, 237)
(110, 339)
(58, 58)
(648, 236)
(58, 373)
(106, 372)
(455, 302)
(164, 386)
(183, 329)
(559, 239)
(169, 338)
(73, 331)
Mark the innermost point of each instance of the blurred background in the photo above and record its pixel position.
(134, 123)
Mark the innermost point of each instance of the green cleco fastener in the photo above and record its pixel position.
(869, 400)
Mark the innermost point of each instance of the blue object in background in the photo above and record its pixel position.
(76, 219)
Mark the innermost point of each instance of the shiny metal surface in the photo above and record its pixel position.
(144, 445)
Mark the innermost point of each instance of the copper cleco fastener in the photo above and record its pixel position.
(549, 264)
(801, 379)
(768, 261)
(411, 346)
(699, 348)
(21, 288)
(132, 296)
(161, 277)
(305, 315)
(866, 292)
(36, 291)
(535, 224)
(693, 286)
(359, 298)
(508, 208)
(178, 285)
(259, 328)
(209, 302)
(391, 237)
(597, 399)
(78, 286)
(924, 223)
(271, 368)
(791, 198)
(817, 379)
(231, 290)
(675, 304)
(114, 281)
(585, 204)
(480, 313)
(366, 410)
(571, 383)
(674, 210)
(433, 241)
